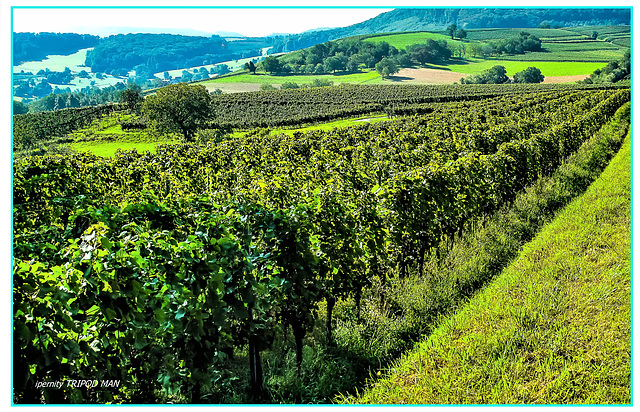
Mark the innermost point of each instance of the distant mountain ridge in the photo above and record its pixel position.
(413, 19)
(435, 19)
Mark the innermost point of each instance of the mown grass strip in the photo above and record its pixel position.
(553, 328)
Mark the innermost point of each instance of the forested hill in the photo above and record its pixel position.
(150, 53)
(36, 46)
(433, 19)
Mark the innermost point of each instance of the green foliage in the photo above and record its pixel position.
(272, 64)
(460, 33)
(289, 85)
(494, 75)
(387, 68)
(155, 53)
(32, 129)
(250, 66)
(28, 47)
(529, 75)
(613, 72)
(267, 86)
(451, 30)
(132, 98)
(431, 52)
(19, 107)
(179, 108)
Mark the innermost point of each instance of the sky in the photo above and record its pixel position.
(246, 21)
(210, 16)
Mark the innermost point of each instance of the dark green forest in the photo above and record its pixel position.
(36, 46)
(152, 53)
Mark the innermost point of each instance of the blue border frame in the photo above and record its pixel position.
(320, 7)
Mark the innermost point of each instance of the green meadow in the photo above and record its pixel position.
(473, 66)
(368, 77)
(105, 136)
(402, 40)
(109, 149)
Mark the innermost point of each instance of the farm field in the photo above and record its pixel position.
(365, 77)
(132, 141)
(402, 40)
(75, 62)
(565, 54)
(300, 262)
(551, 69)
(437, 74)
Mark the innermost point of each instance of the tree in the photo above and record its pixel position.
(132, 98)
(461, 33)
(180, 108)
(250, 66)
(494, 75)
(353, 63)
(529, 75)
(186, 76)
(451, 30)
(289, 85)
(404, 60)
(431, 51)
(271, 64)
(594, 35)
(19, 107)
(337, 62)
(387, 67)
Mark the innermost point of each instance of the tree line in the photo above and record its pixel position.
(153, 53)
(353, 55)
(498, 75)
(37, 46)
(613, 72)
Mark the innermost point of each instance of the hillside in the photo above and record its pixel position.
(562, 55)
(418, 19)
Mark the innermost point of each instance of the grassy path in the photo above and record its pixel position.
(554, 328)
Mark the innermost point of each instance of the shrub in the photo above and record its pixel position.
(529, 75)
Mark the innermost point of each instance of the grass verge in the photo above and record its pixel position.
(554, 327)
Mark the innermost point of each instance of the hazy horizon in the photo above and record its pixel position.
(249, 22)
